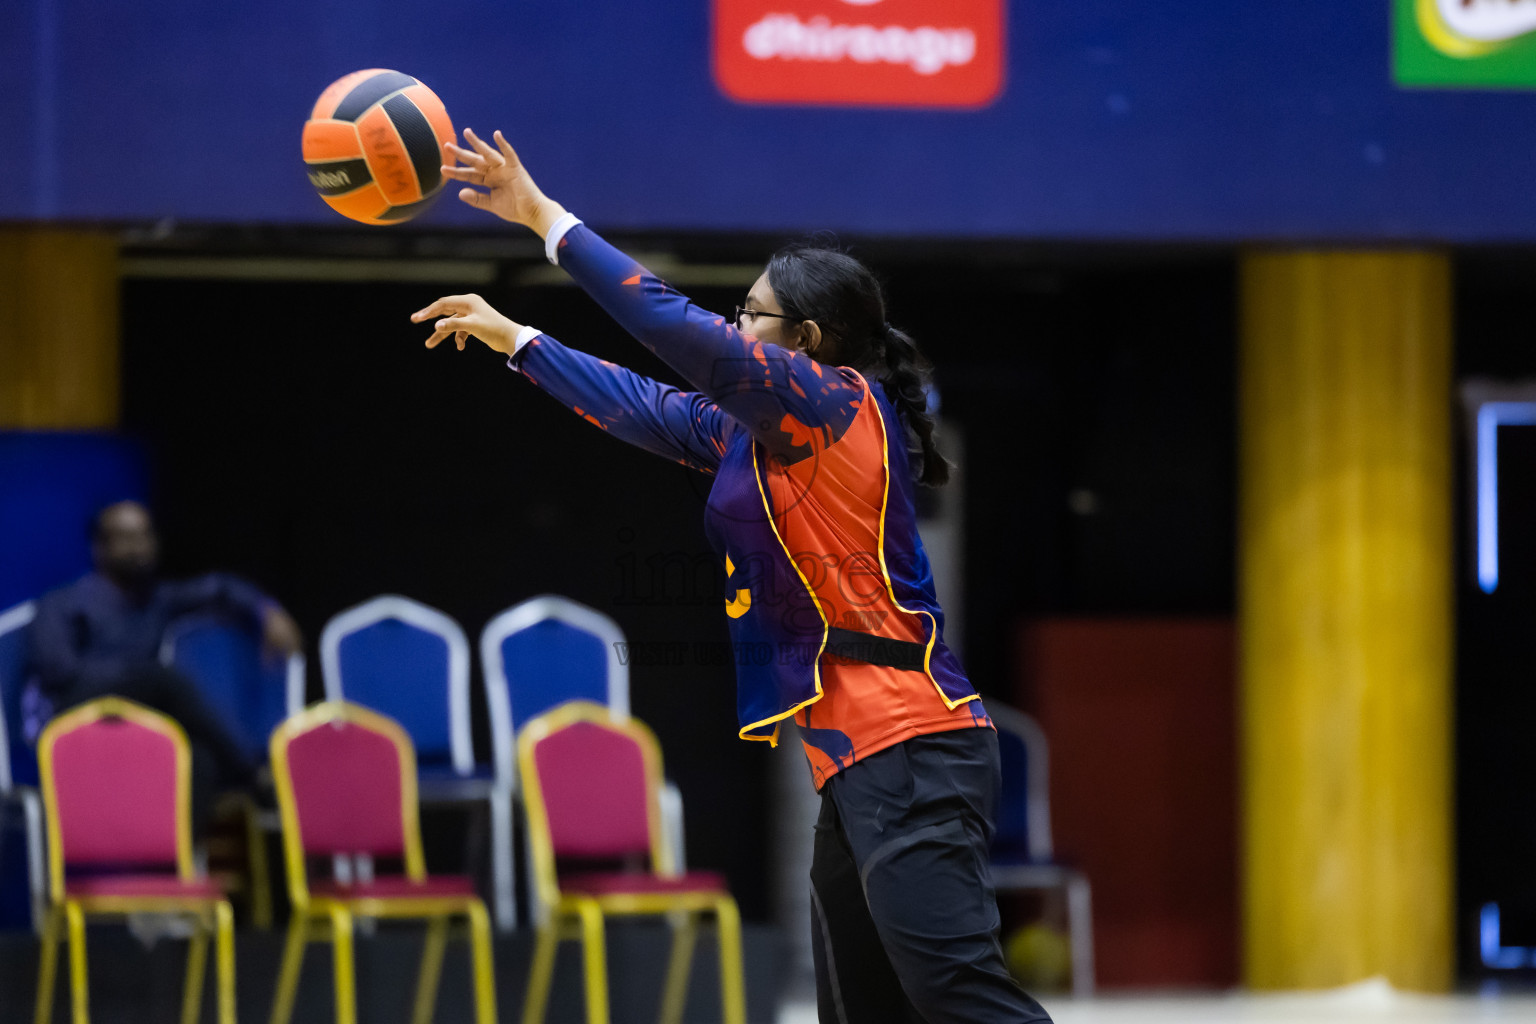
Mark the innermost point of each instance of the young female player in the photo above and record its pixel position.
(810, 412)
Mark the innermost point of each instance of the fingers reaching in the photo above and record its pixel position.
(474, 172)
(491, 157)
(511, 193)
(469, 156)
(456, 327)
(473, 169)
(461, 317)
(447, 304)
(481, 159)
(507, 151)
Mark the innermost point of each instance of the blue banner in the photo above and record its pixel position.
(1196, 120)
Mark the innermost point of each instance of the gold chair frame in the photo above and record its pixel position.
(325, 918)
(69, 913)
(578, 916)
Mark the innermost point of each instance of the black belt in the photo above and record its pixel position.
(876, 650)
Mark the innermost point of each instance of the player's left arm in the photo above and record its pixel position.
(684, 427)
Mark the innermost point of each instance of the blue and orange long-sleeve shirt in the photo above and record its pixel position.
(811, 511)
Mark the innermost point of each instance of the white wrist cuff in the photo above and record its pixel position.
(524, 336)
(557, 231)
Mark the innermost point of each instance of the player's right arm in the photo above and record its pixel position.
(682, 426)
(790, 403)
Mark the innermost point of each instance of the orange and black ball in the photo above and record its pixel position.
(373, 146)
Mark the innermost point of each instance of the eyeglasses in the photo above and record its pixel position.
(744, 311)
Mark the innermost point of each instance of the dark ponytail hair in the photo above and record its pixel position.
(813, 281)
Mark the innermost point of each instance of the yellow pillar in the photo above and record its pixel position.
(1345, 613)
(58, 329)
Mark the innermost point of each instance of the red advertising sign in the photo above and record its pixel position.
(875, 53)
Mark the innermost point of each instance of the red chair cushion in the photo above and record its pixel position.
(593, 783)
(143, 885)
(610, 883)
(115, 787)
(346, 790)
(393, 887)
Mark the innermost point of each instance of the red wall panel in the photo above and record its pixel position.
(1140, 718)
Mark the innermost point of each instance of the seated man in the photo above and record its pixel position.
(102, 634)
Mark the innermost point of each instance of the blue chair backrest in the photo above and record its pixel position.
(553, 662)
(1011, 843)
(225, 659)
(410, 662)
(1023, 815)
(18, 762)
(544, 652)
(559, 657)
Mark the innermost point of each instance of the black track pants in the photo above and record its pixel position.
(903, 914)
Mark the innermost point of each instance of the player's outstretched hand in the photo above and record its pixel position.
(463, 315)
(510, 192)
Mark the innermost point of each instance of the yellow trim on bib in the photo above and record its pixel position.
(773, 740)
(885, 573)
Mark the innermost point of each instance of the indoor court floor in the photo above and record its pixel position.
(1367, 1001)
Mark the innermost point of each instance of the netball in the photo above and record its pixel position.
(373, 146)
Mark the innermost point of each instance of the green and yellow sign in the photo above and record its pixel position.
(1488, 44)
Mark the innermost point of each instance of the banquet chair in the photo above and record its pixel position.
(116, 780)
(1023, 856)
(535, 655)
(591, 787)
(223, 656)
(411, 662)
(346, 790)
